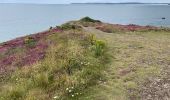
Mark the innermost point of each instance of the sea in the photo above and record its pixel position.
(18, 20)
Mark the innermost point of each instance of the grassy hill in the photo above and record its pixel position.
(87, 60)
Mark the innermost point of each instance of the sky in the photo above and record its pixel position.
(80, 1)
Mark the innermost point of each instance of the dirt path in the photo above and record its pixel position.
(138, 67)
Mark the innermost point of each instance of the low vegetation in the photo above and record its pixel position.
(112, 28)
(139, 63)
(87, 60)
(29, 42)
(88, 19)
(69, 26)
(71, 64)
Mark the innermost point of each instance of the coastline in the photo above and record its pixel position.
(115, 25)
(87, 58)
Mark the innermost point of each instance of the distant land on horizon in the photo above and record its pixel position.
(92, 3)
(120, 3)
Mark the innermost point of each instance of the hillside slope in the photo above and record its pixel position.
(57, 64)
(87, 60)
(140, 63)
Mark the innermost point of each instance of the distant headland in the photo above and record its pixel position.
(120, 3)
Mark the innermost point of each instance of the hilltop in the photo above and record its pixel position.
(87, 60)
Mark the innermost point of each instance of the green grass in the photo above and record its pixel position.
(135, 58)
(69, 26)
(70, 66)
(89, 64)
(29, 42)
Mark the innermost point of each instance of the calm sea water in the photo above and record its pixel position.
(21, 19)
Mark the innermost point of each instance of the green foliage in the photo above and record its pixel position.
(88, 19)
(69, 26)
(92, 39)
(42, 79)
(69, 63)
(99, 47)
(36, 94)
(12, 92)
(29, 42)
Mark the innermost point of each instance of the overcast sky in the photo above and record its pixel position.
(80, 1)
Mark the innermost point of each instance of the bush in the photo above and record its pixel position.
(99, 47)
(50, 28)
(30, 42)
(88, 19)
(69, 26)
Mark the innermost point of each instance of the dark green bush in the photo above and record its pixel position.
(69, 26)
(30, 42)
(88, 19)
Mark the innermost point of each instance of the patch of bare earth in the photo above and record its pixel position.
(157, 88)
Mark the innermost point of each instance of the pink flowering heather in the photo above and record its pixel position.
(130, 27)
(30, 54)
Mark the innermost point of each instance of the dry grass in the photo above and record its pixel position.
(70, 66)
(77, 65)
(136, 57)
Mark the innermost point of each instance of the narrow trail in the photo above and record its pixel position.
(135, 58)
(107, 88)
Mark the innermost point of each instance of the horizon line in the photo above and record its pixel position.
(87, 3)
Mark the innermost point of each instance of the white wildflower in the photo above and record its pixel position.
(16, 79)
(67, 89)
(88, 63)
(56, 97)
(70, 91)
(72, 95)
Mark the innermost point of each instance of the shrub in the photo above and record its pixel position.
(30, 42)
(99, 47)
(69, 26)
(50, 28)
(88, 19)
